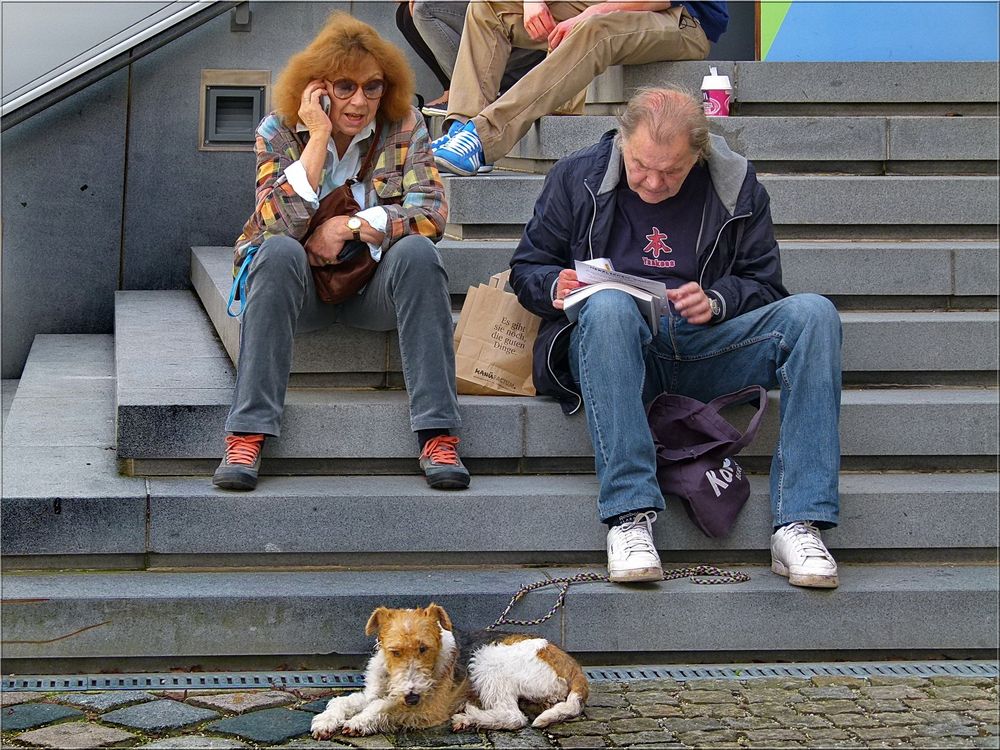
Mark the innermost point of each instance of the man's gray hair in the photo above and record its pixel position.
(666, 112)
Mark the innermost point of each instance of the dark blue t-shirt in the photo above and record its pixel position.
(658, 240)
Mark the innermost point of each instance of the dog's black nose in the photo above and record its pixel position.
(411, 699)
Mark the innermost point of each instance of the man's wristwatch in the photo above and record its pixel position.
(716, 308)
(354, 224)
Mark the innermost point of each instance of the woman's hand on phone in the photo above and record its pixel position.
(311, 112)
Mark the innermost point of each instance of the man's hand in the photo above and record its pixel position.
(538, 21)
(567, 283)
(563, 28)
(691, 302)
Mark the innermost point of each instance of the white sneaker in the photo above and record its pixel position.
(631, 553)
(798, 553)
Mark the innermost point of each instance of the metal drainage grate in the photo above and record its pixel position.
(758, 671)
(350, 679)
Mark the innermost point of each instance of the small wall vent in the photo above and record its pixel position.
(232, 104)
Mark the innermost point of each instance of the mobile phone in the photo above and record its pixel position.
(324, 102)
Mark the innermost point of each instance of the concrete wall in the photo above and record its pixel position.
(107, 190)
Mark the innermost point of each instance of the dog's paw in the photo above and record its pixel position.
(462, 722)
(355, 728)
(326, 724)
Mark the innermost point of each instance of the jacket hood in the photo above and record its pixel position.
(727, 169)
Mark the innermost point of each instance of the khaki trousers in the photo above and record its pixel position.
(492, 29)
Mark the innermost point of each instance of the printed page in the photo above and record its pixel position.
(600, 269)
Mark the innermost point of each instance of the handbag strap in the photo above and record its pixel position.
(238, 291)
(366, 165)
(740, 397)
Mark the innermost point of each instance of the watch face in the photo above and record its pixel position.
(354, 223)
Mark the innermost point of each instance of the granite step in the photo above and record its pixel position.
(870, 145)
(174, 388)
(878, 270)
(816, 206)
(883, 608)
(65, 506)
(827, 88)
(875, 342)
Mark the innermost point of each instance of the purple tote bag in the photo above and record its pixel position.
(695, 447)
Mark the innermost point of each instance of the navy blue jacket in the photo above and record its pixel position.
(713, 17)
(737, 254)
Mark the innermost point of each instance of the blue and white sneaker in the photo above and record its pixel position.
(462, 154)
(447, 136)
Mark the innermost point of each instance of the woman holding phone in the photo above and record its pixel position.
(343, 105)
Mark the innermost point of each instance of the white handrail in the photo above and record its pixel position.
(102, 57)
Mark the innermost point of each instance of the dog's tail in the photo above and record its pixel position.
(569, 708)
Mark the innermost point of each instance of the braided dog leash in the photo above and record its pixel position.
(714, 576)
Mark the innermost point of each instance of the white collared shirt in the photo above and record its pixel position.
(339, 169)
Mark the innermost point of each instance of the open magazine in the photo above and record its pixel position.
(599, 274)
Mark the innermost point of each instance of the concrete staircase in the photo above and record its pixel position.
(883, 181)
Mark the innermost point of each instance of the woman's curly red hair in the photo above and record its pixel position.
(338, 51)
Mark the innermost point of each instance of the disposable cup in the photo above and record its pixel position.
(716, 92)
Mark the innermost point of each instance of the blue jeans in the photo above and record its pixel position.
(793, 343)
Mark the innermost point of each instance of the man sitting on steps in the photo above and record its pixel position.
(663, 181)
(582, 38)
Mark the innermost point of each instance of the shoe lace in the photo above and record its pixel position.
(465, 144)
(637, 535)
(441, 450)
(243, 449)
(807, 540)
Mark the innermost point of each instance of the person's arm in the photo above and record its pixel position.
(423, 209)
(563, 28)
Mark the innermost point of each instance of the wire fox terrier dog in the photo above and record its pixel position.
(419, 678)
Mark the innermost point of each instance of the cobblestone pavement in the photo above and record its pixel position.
(827, 712)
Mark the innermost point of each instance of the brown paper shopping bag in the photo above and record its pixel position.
(493, 342)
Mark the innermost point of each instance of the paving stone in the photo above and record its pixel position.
(853, 720)
(779, 683)
(891, 692)
(704, 739)
(877, 680)
(374, 742)
(312, 744)
(986, 742)
(883, 733)
(933, 704)
(985, 715)
(898, 719)
(829, 692)
(638, 739)
(607, 700)
(667, 686)
(13, 698)
(707, 696)
(75, 735)
(607, 714)
(158, 716)
(239, 703)
(658, 711)
(194, 742)
(958, 693)
(651, 699)
(524, 739)
(942, 717)
(828, 707)
(728, 686)
(316, 707)
(269, 725)
(623, 726)
(442, 737)
(827, 734)
(767, 736)
(947, 730)
(701, 724)
(750, 722)
(107, 700)
(938, 742)
(833, 680)
(577, 728)
(716, 710)
(582, 743)
(877, 707)
(772, 695)
(948, 681)
(31, 715)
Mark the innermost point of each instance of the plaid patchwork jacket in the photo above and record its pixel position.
(403, 180)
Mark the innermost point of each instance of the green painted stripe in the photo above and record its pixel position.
(772, 15)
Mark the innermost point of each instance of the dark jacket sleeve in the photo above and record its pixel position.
(754, 277)
(544, 249)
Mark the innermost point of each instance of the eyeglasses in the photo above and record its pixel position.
(344, 88)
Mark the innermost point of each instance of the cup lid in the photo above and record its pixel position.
(715, 81)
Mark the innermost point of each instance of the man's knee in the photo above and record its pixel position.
(815, 310)
(610, 309)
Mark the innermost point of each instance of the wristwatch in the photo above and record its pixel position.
(716, 308)
(354, 224)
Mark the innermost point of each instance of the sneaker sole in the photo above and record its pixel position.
(234, 480)
(801, 579)
(449, 481)
(451, 168)
(636, 575)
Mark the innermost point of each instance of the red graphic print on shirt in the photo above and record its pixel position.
(656, 246)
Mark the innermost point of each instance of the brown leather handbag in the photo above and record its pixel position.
(353, 267)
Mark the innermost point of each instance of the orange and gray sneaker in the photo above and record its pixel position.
(239, 467)
(441, 465)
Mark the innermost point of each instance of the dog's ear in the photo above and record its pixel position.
(374, 622)
(436, 610)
